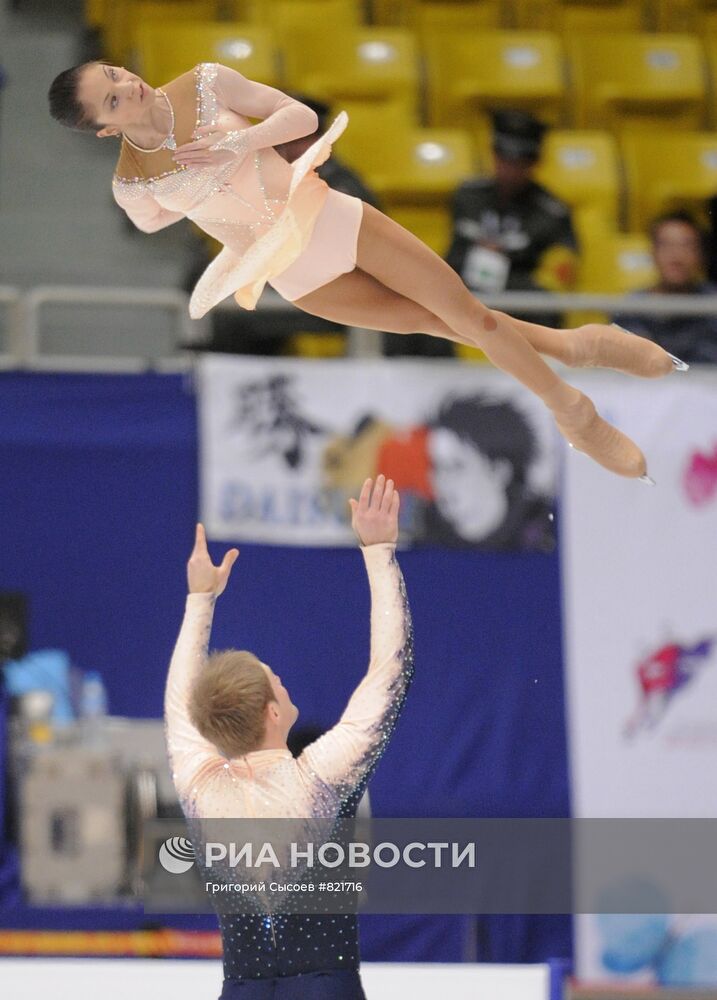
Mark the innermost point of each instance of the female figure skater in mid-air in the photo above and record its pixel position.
(189, 151)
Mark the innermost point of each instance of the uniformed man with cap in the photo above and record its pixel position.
(509, 232)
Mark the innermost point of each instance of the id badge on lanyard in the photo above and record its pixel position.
(486, 270)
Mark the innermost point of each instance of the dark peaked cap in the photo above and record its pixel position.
(517, 135)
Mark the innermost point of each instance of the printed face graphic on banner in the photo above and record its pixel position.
(661, 675)
(460, 474)
(464, 474)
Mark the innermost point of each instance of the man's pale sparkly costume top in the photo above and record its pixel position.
(261, 208)
(324, 782)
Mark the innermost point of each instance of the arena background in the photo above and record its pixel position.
(578, 680)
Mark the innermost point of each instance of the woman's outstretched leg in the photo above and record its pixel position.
(399, 260)
(357, 299)
(596, 345)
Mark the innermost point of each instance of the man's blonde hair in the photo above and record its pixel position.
(227, 703)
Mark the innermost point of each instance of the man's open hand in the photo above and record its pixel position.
(202, 575)
(374, 516)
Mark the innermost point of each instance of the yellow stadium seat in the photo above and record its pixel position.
(583, 168)
(125, 17)
(667, 175)
(427, 164)
(472, 354)
(392, 13)
(372, 128)
(470, 74)
(711, 50)
(248, 11)
(291, 16)
(401, 160)
(309, 26)
(629, 79)
(616, 263)
(680, 15)
(360, 63)
(165, 52)
(708, 23)
(611, 263)
(418, 178)
(96, 13)
(413, 170)
(566, 16)
(444, 16)
(316, 345)
(572, 17)
(432, 224)
(408, 13)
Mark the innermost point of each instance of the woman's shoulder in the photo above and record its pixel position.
(203, 72)
(193, 77)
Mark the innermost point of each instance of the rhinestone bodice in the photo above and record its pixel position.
(231, 204)
(260, 208)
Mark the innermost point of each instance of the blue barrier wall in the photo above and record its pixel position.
(98, 495)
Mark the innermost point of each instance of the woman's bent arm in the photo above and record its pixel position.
(283, 118)
(144, 211)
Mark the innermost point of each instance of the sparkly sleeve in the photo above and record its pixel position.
(346, 756)
(141, 206)
(283, 117)
(187, 748)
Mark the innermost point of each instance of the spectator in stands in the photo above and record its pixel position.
(336, 174)
(509, 232)
(678, 248)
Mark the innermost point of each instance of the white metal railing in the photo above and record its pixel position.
(656, 305)
(37, 299)
(25, 311)
(10, 299)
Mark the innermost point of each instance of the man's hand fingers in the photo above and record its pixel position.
(377, 495)
(387, 496)
(228, 561)
(395, 504)
(200, 541)
(353, 504)
(365, 494)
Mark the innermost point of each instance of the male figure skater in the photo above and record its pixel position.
(228, 717)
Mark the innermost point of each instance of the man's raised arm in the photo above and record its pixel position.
(188, 750)
(346, 756)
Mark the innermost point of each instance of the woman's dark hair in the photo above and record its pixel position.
(65, 106)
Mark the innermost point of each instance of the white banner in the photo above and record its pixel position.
(639, 567)
(284, 443)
